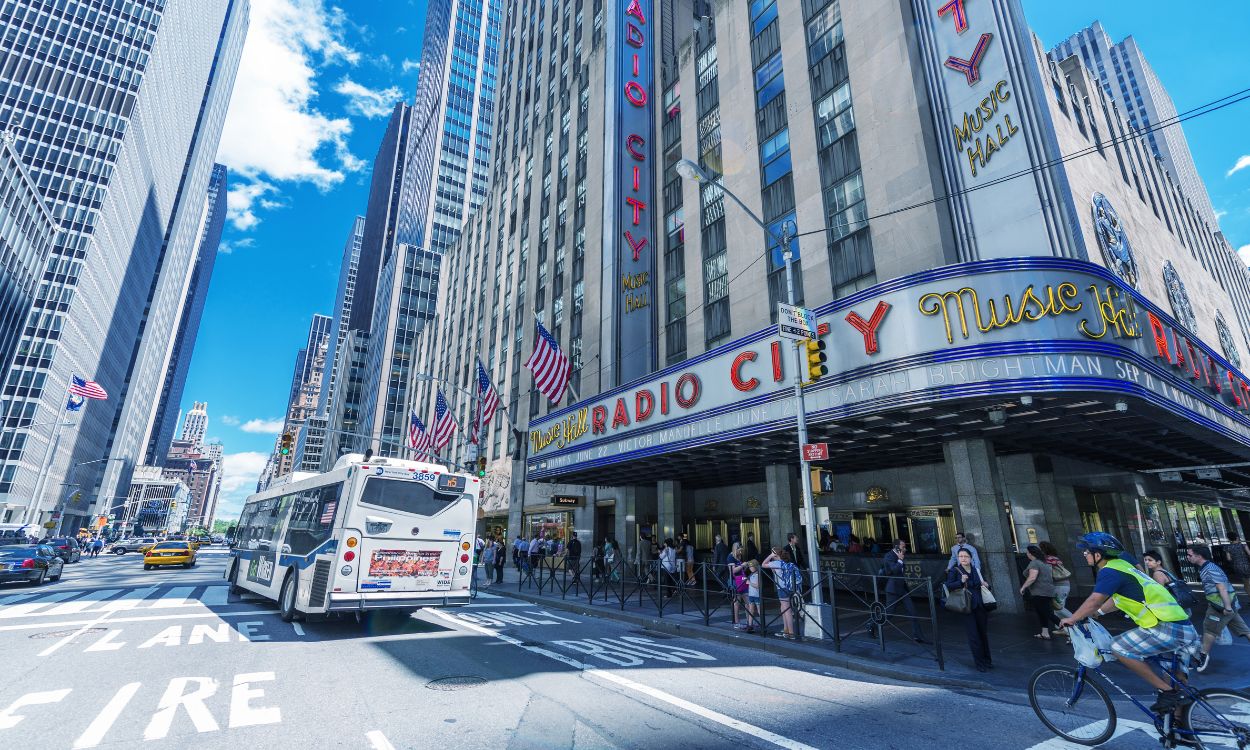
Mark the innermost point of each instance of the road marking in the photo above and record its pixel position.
(9, 717)
(152, 618)
(18, 610)
(1123, 726)
(378, 740)
(216, 595)
(660, 695)
(175, 597)
(65, 641)
(129, 600)
(81, 603)
(13, 599)
(95, 731)
(299, 629)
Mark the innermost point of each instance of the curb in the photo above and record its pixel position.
(919, 675)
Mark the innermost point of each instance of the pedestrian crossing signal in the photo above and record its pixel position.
(814, 354)
(822, 481)
(287, 444)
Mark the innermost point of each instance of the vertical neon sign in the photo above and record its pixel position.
(634, 246)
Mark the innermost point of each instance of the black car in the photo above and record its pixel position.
(34, 564)
(66, 547)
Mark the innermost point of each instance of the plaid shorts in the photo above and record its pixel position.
(1164, 638)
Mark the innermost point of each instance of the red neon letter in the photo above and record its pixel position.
(869, 327)
(735, 372)
(971, 68)
(636, 94)
(633, 35)
(1160, 337)
(956, 7)
(639, 207)
(687, 401)
(634, 141)
(776, 361)
(636, 246)
(644, 404)
(620, 417)
(635, 10)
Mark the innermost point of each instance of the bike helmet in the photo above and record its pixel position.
(1101, 541)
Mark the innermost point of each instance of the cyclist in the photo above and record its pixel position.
(1162, 626)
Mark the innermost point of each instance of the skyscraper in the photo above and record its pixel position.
(305, 386)
(119, 135)
(342, 313)
(1127, 77)
(212, 224)
(195, 424)
(444, 177)
(196, 465)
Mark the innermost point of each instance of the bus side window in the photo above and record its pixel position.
(306, 531)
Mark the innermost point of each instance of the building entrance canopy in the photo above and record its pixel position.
(1038, 354)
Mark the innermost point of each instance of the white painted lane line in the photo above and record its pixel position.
(128, 600)
(20, 610)
(153, 618)
(657, 694)
(216, 595)
(82, 603)
(175, 597)
(103, 722)
(66, 640)
(1122, 726)
(378, 740)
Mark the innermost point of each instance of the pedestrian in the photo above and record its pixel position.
(1039, 591)
(961, 543)
(501, 557)
(753, 594)
(536, 551)
(1239, 560)
(611, 557)
(1177, 587)
(573, 556)
(752, 552)
(786, 578)
(1061, 575)
(856, 547)
(488, 559)
(799, 558)
(964, 574)
(688, 552)
(896, 588)
(720, 556)
(668, 565)
(738, 573)
(1221, 603)
(517, 544)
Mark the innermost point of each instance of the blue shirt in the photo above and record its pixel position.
(1111, 582)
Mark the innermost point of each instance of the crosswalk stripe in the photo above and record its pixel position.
(17, 610)
(14, 599)
(128, 600)
(216, 595)
(175, 597)
(82, 603)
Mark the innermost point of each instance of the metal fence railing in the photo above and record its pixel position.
(859, 610)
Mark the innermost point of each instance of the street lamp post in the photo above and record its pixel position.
(692, 171)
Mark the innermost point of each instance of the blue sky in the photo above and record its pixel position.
(314, 90)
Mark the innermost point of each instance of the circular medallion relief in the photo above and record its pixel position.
(1117, 253)
(1182, 310)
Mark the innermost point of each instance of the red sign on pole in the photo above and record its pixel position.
(816, 451)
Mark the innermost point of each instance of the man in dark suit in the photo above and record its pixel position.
(573, 556)
(798, 556)
(896, 587)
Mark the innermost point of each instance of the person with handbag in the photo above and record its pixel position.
(965, 594)
(737, 582)
(1060, 574)
(1039, 590)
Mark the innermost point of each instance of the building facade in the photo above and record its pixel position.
(305, 391)
(342, 313)
(118, 137)
(343, 420)
(155, 503)
(1127, 78)
(1024, 346)
(212, 225)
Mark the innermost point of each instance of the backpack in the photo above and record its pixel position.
(788, 579)
(1180, 591)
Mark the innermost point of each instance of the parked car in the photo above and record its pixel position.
(66, 547)
(141, 545)
(218, 538)
(33, 564)
(170, 553)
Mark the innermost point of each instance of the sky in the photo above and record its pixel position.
(317, 82)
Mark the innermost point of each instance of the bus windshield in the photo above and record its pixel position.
(406, 496)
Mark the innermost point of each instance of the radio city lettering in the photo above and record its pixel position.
(879, 350)
(635, 76)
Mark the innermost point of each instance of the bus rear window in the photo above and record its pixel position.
(405, 496)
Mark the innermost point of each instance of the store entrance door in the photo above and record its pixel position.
(605, 523)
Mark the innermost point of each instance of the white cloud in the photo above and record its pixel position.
(1242, 163)
(1244, 253)
(239, 473)
(263, 426)
(227, 247)
(231, 421)
(408, 65)
(367, 102)
(274, 131)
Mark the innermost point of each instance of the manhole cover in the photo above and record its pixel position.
(455, 683)
(63, 633)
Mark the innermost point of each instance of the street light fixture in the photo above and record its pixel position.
(692, 171)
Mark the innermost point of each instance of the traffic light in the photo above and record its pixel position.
(287, 445)
(481, 466)
(815, 356)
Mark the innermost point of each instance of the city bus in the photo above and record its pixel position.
(371, 534)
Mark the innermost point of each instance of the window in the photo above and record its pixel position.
(312, 519)
(405, 496)
(834, 116)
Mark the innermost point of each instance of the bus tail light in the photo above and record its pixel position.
(464, 546)
(352, 541)
(464, 558)
(348, 556)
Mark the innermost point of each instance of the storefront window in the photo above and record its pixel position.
(927, 531)
(554, 525)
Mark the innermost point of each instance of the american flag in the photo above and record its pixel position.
(418, 438)
(194, 466)
(489, 401)
(87, 389)
(549, 366)
(444, 423)
(327, 516)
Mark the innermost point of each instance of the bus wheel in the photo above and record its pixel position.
(234, 578)
(286, 599)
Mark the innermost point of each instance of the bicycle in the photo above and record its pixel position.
(1063, 695)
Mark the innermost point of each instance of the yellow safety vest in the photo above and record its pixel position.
(1160, 605)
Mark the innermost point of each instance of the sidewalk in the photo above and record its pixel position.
(1016, 653)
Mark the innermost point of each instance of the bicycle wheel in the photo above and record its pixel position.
(1078, 713)
(1221, 719)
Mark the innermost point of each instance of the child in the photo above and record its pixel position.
(753, 594)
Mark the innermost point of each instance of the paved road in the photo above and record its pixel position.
(114, 656)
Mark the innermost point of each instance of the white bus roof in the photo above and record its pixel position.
(351, 459)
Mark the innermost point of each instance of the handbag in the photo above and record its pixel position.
(1059, 573)
(987, 599)
(740, 584)
(959, 600)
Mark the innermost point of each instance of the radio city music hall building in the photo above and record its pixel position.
(1022, 346)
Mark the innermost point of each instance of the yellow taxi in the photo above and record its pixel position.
(195, 543)
(169, 553)
(146, 543)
